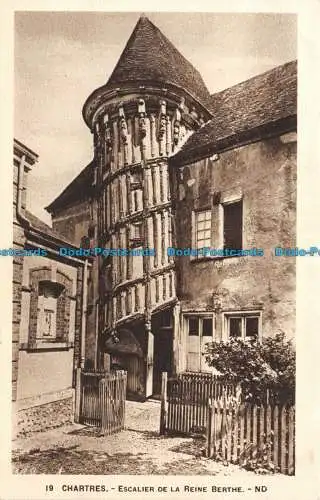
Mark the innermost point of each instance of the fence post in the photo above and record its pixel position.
(209, 429)
(163, 411)
(77, 396)
(103, 408)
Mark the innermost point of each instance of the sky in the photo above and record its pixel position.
(61, 57)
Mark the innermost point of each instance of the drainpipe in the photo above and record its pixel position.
(96, 354)
(84, 313)
(20, 217)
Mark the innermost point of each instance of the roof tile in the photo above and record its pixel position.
(150, 57)
(261, 100)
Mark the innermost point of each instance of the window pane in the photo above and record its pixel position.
(235, 327)
(252, 326)
(166, 318)
(203, 228)
(201, 225)
(203, 243)
(233, 225)
(194, 326)
(207, 327)
(137, 230)
(201, 234)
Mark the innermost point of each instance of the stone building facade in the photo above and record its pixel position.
(177, 167)
(47, 312)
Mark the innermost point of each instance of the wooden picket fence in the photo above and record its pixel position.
(252, 435)
(184, 400)
(100, 400)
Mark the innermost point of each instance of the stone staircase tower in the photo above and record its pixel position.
(152, 102)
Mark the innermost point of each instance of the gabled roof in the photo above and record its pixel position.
(40, 225)
(150, 57)
(78, 189)
(250, 109)
(261, 102)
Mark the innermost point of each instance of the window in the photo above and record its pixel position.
(166, 319)
(47, 310)
(207, 327)
(198, 325)
(136, 234)
(232, 225)
(135, 181)
(193, 326)
(136, 191)
(244, 326)
(199, 333)
(52, 309)
(203, 229)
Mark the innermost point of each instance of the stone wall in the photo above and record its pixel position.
(73, 222)
(263, 174)
(44, 417)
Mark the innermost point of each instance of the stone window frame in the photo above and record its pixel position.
(47, 304)
(243, 314)
(62, 282)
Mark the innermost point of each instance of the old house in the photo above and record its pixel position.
(177, 167)
(48, 305)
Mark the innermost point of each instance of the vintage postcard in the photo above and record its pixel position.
(163, 251)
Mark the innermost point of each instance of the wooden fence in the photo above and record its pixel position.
(184, 401)
(100, 400)
(250, 435)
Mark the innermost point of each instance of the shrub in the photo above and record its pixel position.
(262, 367)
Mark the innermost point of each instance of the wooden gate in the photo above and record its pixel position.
(100, 400)
(184, 400)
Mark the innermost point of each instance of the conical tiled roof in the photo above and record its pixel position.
(150, 57)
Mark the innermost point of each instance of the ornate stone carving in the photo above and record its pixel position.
(123, 126)
(201, 119)
(107, 133)
(162, 120)
(194, 113)
(182, 104)
(176, 126)
(142, 118)
(153, 138)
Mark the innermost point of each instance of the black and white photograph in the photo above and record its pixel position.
(154, 311)
(154, 251)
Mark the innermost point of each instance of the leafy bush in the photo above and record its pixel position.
(262, 367)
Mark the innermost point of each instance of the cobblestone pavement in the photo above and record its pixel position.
(77, 449)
